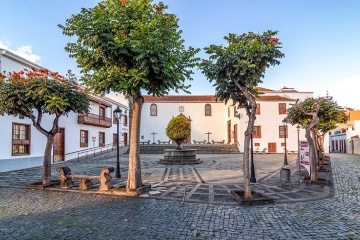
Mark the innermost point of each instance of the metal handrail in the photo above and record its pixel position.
(95, 150)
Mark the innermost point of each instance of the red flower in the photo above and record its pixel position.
(123, 2)
(158, 8)
(273, 40)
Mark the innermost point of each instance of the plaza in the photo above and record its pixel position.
(304, 211)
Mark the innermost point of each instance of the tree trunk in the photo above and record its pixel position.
(134, 173)
(47, 160)
(312, 154)
(246, 163)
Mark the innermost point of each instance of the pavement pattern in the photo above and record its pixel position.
(187, 202)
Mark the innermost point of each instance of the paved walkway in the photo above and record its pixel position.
(302, 211)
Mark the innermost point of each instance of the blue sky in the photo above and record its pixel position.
(320, 38)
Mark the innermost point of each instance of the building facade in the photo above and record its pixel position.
(22, 145)
(215, 122)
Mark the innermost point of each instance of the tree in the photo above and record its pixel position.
(236, 70)
(32, 94)
(317, 116)
(178, 129)
(128, 46)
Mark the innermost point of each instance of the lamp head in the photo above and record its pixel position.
(117, 113)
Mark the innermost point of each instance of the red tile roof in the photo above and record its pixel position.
(205, 98)
(180, 98)
(261, 89)
(274, 98)
(100, 101)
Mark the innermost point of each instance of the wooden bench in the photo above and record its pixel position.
(221, 142)
(66, 178)
(199, 142)
(164, 142)
(145, 142)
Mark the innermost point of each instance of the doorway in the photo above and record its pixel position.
(125, 139)
(235, 134)
(271, 147)
(59, 146)
(229, 132)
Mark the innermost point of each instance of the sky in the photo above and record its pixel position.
(320, 39)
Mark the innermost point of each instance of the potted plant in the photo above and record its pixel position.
(264, 150)
(178, 129)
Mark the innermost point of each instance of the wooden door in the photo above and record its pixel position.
(229, 131)
(125, 139)
(235, 134)
(59, 146)
(271, 147)
(114, 139)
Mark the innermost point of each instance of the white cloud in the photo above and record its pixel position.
(3, 45)
(26, 52)
(22, 51)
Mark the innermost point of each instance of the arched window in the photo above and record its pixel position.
(207, 110)
(153, 110)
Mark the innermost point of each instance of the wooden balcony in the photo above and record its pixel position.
(94, 120)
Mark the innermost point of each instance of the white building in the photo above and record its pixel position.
(217, 121)
(22, 145)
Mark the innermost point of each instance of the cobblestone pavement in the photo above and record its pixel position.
(302, 211)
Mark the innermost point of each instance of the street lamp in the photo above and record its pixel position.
(298, 142)
(285, 153)
(117, 115)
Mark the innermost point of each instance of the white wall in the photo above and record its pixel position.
(200, 124)
(270, 120)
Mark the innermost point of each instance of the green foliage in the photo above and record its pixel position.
(241, 63)
(329, 113)
(127, 46)
(23, 92)
(178, 129)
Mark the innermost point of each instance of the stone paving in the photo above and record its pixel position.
(302, 211)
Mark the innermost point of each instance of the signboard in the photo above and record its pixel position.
(304, 155)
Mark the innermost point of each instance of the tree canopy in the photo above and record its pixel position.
(178, 129)
(236, 69)
(317, 116)
(33, 93)
(130, 46)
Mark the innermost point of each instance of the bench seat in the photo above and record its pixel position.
(66, 178)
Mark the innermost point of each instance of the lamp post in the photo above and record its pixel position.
(117, 114)
(298, 143)
(285, 153)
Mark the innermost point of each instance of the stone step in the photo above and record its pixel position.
(200, 148)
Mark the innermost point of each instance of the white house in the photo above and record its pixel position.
(22, 145)
(217, 121)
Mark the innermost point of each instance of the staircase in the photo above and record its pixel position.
(200, 148)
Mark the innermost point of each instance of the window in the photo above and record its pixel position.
(207, 110)
(102, 112)
(235, 111)
(257, 109)
(257, 132)
(282, 108)
(282, 132)
(114, 139)
(125, 120)
(101, 139)
(153, 110)
(20, 139)
(84, 138)
(257, 144)
(228, 111)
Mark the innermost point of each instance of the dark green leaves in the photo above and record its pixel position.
(129, 46)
